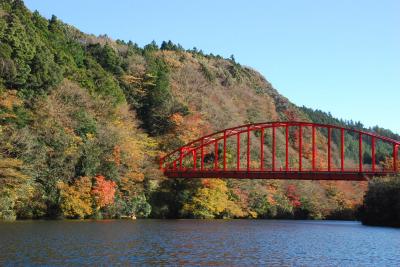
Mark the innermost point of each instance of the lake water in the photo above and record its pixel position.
(198, 242)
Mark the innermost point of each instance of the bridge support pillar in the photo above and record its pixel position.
(360, 156)
(202, 154)
(373, 153)
(287, 148)
(342, 149)
(238, 151)
(300, 147)
(273, 147)
(262, 149)
(224, 150)
(329, 148)
(248, 148)
(313, 148)
(395, 152)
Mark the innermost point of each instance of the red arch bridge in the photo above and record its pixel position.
(284, 150)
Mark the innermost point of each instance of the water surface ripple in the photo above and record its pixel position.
(198, 243)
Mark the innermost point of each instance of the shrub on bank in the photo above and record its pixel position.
(382, 202)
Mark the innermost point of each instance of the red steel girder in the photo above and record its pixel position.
(182, 155)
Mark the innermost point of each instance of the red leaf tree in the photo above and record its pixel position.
(293, 196)
(103, 191)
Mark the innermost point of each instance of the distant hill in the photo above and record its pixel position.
(83, 119)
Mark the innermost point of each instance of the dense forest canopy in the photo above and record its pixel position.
(84, 118)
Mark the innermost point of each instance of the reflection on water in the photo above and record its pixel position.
(198, 242)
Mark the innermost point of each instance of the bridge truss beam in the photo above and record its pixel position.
(204, 157)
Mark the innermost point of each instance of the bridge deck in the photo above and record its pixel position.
(282, 175)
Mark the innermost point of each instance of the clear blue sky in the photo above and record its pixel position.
(340, 56)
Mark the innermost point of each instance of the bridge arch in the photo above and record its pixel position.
(230, 153)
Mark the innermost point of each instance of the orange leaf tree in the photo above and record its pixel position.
(103, 191)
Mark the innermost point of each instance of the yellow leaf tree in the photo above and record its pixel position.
(13, 186)
(76, 199)
(211, 200)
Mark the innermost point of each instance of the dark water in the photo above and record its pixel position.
(198, 242)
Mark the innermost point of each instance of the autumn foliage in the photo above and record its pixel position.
(76, 199)
(211, 200)
(83, 118)
(81, 198)
(103, 191)
(294, 198)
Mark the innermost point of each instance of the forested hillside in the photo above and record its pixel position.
(83, 120)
